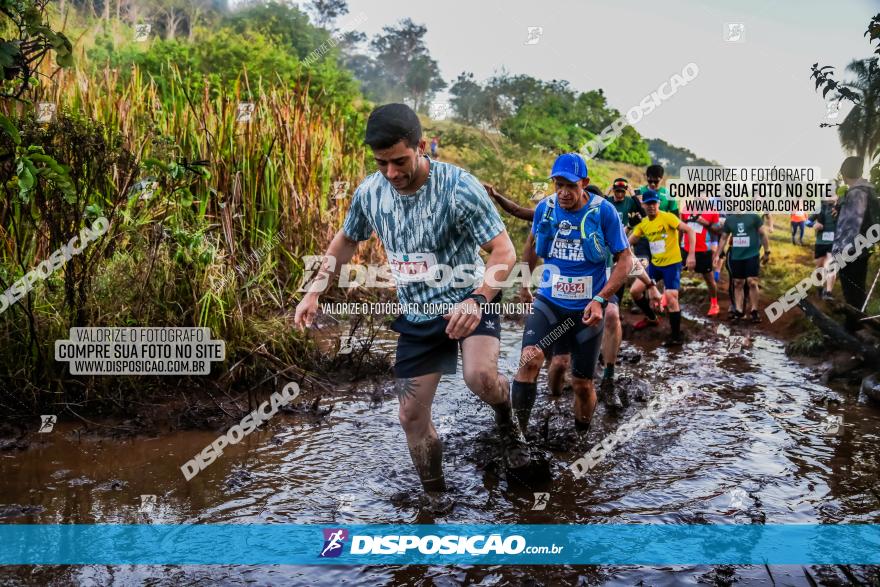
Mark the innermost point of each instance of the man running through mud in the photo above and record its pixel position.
(661, 229)
(612, 334)
(703, 223)
(825, 223)
(431, 215)
(573, 231)
(747, 234)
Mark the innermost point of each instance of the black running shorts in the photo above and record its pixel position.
(424, 347)
(557, 331)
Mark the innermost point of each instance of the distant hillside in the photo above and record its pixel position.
(673, 158)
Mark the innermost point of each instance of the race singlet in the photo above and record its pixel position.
(827, 236)
(411, 267)
(572, 288)
(658, 247)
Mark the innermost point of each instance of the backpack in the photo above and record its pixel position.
(592, 238)
(872, 212)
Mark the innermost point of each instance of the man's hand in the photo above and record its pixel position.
(490, 189)
(691, 261)
(525, 294)
(766, 258)
(654, 297)
(463, 319)
(593, 313)
(306, 311)
(818, 226)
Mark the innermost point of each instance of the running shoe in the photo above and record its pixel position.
(713, 310)
(646, 323)
(755, 317)
(513, 442)
(609, 394)
(674, 341)
(734, 315)
(436, 503)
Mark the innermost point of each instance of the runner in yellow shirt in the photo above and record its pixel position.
(661, 229)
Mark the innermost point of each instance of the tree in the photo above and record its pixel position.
(469, 100)
(32, 39)
(403, 65)
(326, 11)
(860, 130)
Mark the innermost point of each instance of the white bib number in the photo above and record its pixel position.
(741, 241)
(572, 288)
(411, 267)
(698, 228)
(827, 236)
(658, 247)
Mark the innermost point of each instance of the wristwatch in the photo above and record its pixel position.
(601, 300)
(479, 298)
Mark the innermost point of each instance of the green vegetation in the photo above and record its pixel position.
(549, 116)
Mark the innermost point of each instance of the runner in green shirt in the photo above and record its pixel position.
(747, 234)
(653, 177)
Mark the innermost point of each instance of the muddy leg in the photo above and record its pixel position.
(556, 373)
(584, 402)
(416, 395)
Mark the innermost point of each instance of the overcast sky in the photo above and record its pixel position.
(752, 103)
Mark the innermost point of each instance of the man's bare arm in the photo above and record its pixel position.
(509, 205)
(499, 265)
(340, 252)
(465, 317)
(622, 266)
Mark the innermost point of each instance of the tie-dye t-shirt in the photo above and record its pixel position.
(443, 223)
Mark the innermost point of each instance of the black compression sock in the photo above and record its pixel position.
(643, 303)
(675, 323)
(581, 426)
(523, 399)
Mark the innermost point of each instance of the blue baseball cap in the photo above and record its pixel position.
(649, 196)
(570, 166)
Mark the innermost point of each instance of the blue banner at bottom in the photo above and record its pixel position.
(262, 544)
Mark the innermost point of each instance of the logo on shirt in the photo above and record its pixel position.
(565, 228)
(740, 227)
(568, 250)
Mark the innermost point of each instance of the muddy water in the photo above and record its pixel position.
(749, 444)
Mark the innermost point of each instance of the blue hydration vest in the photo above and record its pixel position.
(592, 238)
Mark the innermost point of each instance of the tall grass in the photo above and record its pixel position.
(225, 188)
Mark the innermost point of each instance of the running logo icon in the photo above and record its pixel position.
(334, 539)
(47, 423)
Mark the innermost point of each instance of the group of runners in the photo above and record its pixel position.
(593, 246)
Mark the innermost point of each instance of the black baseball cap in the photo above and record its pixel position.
(390, 123)
(620, 184)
